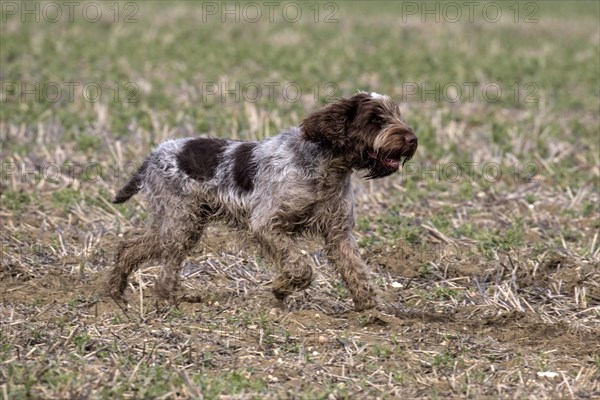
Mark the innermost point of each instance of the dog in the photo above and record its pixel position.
(292, 185)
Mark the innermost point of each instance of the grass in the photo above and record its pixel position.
(485, 249)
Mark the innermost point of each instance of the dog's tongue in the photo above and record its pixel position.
(391, 163)
(388, 162)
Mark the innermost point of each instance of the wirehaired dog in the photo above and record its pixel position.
(297, 183)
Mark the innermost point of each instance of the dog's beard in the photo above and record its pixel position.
(378, 171)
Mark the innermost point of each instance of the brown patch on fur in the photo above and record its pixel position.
(329, 125)
(244, 167)
(200, 157)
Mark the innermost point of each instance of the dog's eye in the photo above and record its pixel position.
(376, 120)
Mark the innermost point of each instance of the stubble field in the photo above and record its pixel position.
(485, 249)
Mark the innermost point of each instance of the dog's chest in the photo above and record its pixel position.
(312, 210)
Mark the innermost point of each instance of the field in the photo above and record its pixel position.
(485, 249)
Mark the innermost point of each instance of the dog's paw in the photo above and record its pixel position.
(192, 298)
(364, 304)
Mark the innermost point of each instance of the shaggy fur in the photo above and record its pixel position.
(296, 183)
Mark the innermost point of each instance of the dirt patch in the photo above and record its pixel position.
(528, 330)
(418, 260)
(397, 260)
(566, 273)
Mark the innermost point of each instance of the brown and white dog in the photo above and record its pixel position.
(277, 189)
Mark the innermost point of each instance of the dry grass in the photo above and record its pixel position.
(490, 288)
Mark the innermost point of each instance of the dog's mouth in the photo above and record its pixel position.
(392, 161)
(380, 164)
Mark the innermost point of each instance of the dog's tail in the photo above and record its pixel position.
(132, 187)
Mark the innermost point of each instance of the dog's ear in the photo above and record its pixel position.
(329, 125)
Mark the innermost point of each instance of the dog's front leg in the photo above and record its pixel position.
(342, 252)
(294, 272)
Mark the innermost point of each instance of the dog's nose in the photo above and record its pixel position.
(410, 138)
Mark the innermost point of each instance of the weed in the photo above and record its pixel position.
(15, 200)
(443, 360)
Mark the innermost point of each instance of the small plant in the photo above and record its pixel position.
(87, 142)
(425, 270)
(174, 314)
(66, 197)
(5, 348)
(207, 359)
(340, 289)
(81, 342)
(14, 200)
(443, 293)
(443, 360)
(364, 320)
(381, 351)
(291, 347)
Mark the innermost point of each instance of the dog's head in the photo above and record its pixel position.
(367, 129)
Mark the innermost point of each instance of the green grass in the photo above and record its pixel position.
(511, 182)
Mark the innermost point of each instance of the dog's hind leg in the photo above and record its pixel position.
(177, 240)
(130, 254)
